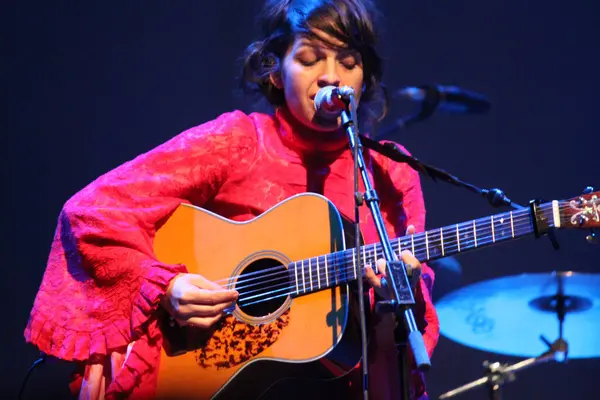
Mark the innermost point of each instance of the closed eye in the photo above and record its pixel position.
(350, 59)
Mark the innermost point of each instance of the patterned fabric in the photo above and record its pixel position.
(103, 284)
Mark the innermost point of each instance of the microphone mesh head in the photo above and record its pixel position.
(323, 96)
(324, 103)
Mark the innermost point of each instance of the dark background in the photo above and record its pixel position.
(87, 86)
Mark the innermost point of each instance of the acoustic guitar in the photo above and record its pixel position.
(293, 272)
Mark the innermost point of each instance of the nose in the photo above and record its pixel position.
(329, 76)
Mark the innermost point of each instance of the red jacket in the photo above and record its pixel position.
(103, 284)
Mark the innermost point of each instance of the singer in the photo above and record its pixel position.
(104, 289)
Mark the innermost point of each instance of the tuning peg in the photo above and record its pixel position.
(591, 238)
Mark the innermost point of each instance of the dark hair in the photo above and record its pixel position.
(350, 21)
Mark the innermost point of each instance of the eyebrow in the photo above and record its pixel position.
(320, 45)
(317, 42)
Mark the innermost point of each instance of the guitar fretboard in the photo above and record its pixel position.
(322, 272)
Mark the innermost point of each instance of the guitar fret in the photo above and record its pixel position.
(326, 272)
(318, 275)
(425, 246)
(375, 257)
(303, 280)
(364, 257)
(371, 256)
(354, 266)
(335, 272)
(354, 261)
(512, 225)
(310, 274)
(296, 273)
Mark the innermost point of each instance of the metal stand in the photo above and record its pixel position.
(397, 276)
(497, 374)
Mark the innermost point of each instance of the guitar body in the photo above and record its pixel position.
(258, 345)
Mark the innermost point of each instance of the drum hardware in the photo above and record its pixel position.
(496, 315)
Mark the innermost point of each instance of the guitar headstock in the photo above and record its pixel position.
(581, 211)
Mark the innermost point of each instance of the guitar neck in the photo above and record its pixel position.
(322, 272)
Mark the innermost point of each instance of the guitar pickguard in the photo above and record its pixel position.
(235, 342)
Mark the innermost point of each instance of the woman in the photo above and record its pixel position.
(103, 287)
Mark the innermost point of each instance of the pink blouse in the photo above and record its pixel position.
(103, 284)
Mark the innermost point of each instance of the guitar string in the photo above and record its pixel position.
(419, 246)
(370, 252)
(245, 304)
(291, 292)
(340, 274)
(284, 273)
(337, 275)
(244, 299)
(420, 238)
(483, 240)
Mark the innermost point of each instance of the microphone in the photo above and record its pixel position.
(448, 98)
(330, 101)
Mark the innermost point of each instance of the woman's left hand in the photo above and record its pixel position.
(375, 280)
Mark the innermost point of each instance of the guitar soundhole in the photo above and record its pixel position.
(263, 287)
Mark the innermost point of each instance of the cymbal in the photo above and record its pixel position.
(507, 315)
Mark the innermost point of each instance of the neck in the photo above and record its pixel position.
(333, 269)
(308, 142)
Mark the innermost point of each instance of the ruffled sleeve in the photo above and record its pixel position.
(102, 282)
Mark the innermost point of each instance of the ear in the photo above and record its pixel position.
(275, 78)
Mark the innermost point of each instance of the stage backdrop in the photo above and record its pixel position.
(87, 86)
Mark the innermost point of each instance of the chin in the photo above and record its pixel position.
(326, 124)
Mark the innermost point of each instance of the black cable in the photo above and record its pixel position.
(495, 197)
(29, 372)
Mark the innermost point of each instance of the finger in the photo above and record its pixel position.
(200, 322)
(194, 310)
(413, 266)
(410, 230)
(202, 282)
(209, 297)
(381, 267)
(371, 277)
(376, 282)
(409, 258)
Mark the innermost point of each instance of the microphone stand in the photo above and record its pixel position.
(403, 298)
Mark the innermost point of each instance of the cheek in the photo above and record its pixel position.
(356, 81)
(296, 87)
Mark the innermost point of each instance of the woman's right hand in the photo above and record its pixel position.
(194, 300)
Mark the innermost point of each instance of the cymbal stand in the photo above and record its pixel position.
(497, 374)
